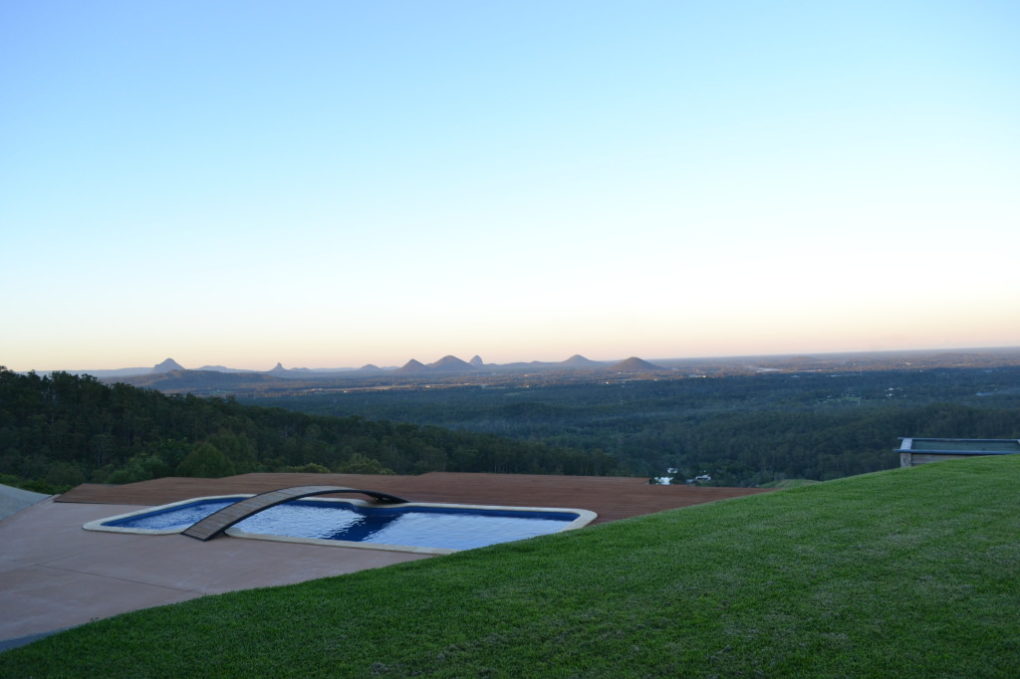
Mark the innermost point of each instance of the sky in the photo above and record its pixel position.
(334, 183)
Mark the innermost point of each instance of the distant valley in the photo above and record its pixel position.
(741, 421)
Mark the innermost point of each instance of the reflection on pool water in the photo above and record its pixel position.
(173, 518)
(419, 527)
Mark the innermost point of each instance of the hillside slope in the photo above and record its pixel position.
(61, 430)
(905, 573)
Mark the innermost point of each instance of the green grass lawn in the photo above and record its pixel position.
(788, 483)
(905, 573)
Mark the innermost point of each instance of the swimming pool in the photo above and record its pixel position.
(416, 527)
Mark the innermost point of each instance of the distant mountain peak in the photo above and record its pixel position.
(412, 366)
(579, 361)
(450, 363)
(476, 361)
(169, 365)
(278, 368)
(634, 364)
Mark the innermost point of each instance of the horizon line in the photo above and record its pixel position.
(980, 348)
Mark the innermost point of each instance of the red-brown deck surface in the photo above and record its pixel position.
(611, 497)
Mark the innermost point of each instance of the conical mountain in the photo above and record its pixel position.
(579, 361)
(278, 368)
(169, 365)
(634, 364)
(450, 364)
(412, 366)
(476, 361)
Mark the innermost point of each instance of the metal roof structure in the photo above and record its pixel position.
(959, 446)
(915, 451)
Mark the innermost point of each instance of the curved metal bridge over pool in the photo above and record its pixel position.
(219, 521)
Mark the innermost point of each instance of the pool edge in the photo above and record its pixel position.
(584, 517)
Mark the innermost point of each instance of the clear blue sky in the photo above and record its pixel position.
(336, 183)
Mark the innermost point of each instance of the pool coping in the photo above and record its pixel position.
(584, 517)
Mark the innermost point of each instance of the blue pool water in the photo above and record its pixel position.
(416, 526)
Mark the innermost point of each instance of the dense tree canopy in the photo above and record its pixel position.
(62, 429)
(742, 430)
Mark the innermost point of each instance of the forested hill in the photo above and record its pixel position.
(61, 430)
(742, 430)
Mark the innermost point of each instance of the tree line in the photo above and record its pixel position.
(59, 430)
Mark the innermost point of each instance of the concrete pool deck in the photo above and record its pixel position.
(54, 575)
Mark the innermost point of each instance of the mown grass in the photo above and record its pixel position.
(788, 483)
(905, 573)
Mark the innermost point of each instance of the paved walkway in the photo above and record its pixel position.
(55, 575)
